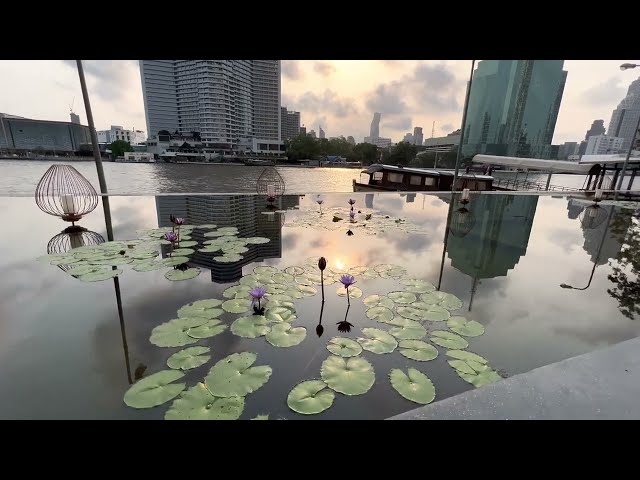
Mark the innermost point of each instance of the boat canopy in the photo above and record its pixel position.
(556, 166)
(376, 167)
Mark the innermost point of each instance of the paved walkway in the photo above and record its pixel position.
(604, 384)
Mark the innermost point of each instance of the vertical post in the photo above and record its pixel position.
(96, 151)
(548, 180)
(464, 124)
(633, 176)
(603, 173)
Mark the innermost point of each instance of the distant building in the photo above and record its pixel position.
(321, 135)
(41, 136)
(75, 118)
(408, 138)
(351, 140)
(312, 133)
(116, 132)
(513, 107)
(604, 144)
(290, 122)
(378, 141)
(442, 144)
(303, 130)
(567, 149)
(625, 117)
(417, 136)
(597, 128)
(374, 131)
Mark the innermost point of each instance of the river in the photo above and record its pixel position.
(20, 177)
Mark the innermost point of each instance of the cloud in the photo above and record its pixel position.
(392, 63)
(291, 69)
(447, 127)
(386, 99)
(328, 102)
(323, 68)
(604, 94)
(398, 123)
(112, 79)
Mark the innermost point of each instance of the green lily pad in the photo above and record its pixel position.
(179, 275)
(379, 301)
(83, 270)
(174, 332)
(357, 270)
(265, 269)
(234, 376)
(381, 314)
(279, 314)
(294, 292)
(395, 272)
(383, 267)
(206, 226)
(281, 297)
(402, 298)
(261, 417)
(448, 340)
(408, 333)
(435, 313)
(461, 366)
(377, 341)
(228, 258)
(210, 249)
(257, 240)
(283, 278)
(404, 322)
(189, 358)
(351, 376)
(154, 390)
(414, 385)
(344, 347)
(209, 329)
(182, 252)
(201, 308)
(306, 290)
(237, 291)
(314, 278)
(237, 305)
(445, 300)
(370, 273)
(417, 286)
(480, 379)
(310, 397)
(284, 335)
(465, 355)
(295, 271)
(418, 350)
(100, 275)
(410, 313)
(197, 403)
(275, 288)
(461, 326)
(173, 261)
(113, 261)
(354, 292)
(187, 244)
(252, 326)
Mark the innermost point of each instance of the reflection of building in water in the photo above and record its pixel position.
(246, 212)
(368, 200)
(498, 239)
(410, 197)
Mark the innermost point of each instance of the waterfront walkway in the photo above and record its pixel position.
(604, 384)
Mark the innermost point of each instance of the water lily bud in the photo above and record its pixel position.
(322, 263)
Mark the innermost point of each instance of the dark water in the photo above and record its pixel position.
(61, 340)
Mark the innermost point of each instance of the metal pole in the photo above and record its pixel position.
(464, 124)
(96, 151)
(626, 160)
(446, 239)
(548, 180)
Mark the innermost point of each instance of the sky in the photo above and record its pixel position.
(339, 95)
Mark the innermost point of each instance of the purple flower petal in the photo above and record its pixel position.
(347, 280)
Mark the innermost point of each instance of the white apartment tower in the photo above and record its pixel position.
(229, 103)
(604, 144)
(625, 118)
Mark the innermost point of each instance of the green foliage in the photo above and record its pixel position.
(626, 271)
(304, 147)
(119, 147)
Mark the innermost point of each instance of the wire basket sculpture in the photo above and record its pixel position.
(271, 185)
(69, 239)
(63, 192)
(462, 222)
(592, 216)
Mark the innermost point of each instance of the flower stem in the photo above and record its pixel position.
(322, 284)
(348, 299)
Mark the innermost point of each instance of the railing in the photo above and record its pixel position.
(513, 184)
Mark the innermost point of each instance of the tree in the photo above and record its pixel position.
(366, 153)
(402, 154)
(302, 147)
(119, 147)
(625, 273)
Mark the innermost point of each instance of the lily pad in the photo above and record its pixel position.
(351, 376)
(228, 258)
(294, 292)
(446, 300)
(408, 333)
(275, 288)
(257, 240)
(462, 367)
(183, 252)
(283, 278)
(154, 390)
(354, 292)
(234, 376)
(173, 261)
(261, 417)
(465, 355)
(148, 266)
(189, 358)
(480, 379)
(417, 286)
(202, 308)
(187, 244)
(448, 340)
(178, 275)
(379, 301)
(344, 347)
(414, 385)
(82, 270)
(234, 250)
(402, 298)
(418, 350)
(377, 341)
(461, 326)
(410, 313)
(284, 335)
(370, 273)
(295, 271)
(307, 290)
(265, 269)
(197, 403)
(237, 305)
(174, 332)
(279, 314)
(113, 261)
(435, 313)
(310, 397)
(252, 326)
(209, 329)
(237, 291)
(100, 275)
(381, 314)
(383, 267)
(395, 272)
(357, 270)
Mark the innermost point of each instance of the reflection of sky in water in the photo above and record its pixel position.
(60, 338)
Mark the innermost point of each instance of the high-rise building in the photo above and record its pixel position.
(290, 124)
(378, 141)
(417, 136)
(567, 149)
(597, 128)
(513, 107)
(408, 138)
(604, 144)
(74, 118)
(230, 104)
(375, 126)
(321, 135)
(312, 133)
(625, 118)
(351, 140)
(303, 130)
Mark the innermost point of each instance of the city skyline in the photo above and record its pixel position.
(339, 95)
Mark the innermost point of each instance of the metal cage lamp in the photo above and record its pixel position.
(592, 216)
(64, 192)
(271, 185)
(462, 220)
(68, 240)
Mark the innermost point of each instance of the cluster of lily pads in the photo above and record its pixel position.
(370, 222)
(92, 263)
(419, 318)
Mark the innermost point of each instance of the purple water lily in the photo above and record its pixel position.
(347, 280)
(352, 216)
(178, 220)
(257, 293)
(344, 326)
(352, 201)
(171, 237)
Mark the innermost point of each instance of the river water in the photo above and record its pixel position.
(20, 177)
